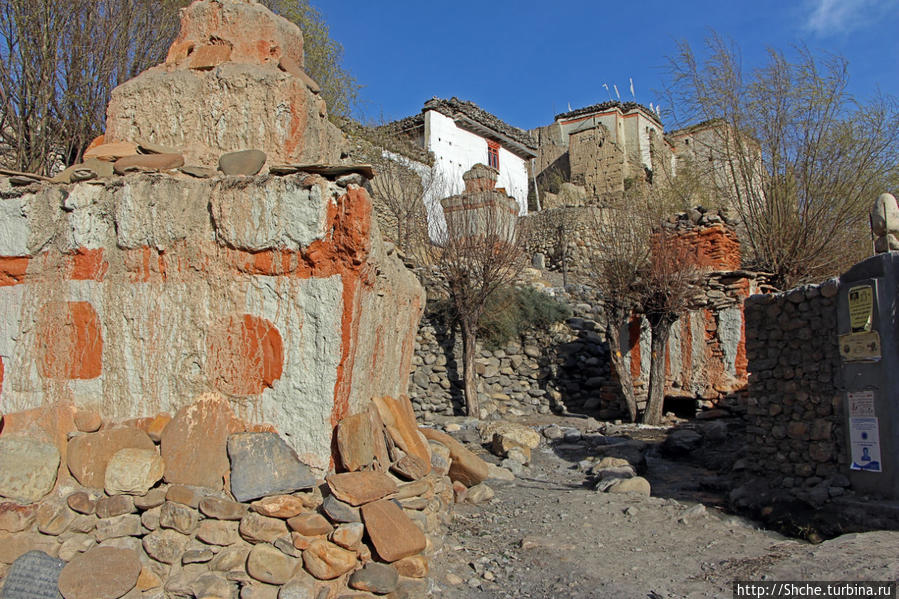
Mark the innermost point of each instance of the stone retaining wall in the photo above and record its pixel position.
(205, 504)
(794, 410)
(568, 368)
(557, 370)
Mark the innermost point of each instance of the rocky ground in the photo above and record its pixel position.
(549, 534)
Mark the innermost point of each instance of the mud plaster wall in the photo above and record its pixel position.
(597, 162)
(134, 296)
(705, 357)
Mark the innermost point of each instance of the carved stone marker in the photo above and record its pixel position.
(885, 223)
(33, 575)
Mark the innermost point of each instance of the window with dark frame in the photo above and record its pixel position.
(493, 154)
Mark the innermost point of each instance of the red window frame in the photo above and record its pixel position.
(493, 154)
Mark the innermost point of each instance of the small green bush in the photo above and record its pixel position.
(509, 312)
(512, 310)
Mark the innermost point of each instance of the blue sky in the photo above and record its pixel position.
(526, 61)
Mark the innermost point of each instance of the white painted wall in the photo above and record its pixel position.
(455, 152)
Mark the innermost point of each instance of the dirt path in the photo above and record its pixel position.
(548, 534)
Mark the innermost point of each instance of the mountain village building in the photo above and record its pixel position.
(459, 134)
(603, 148)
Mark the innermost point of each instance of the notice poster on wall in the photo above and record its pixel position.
(860, 347)
(865, 441)
(861, 404)
(861, 308)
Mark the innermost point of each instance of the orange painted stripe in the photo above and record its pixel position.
(628, 115)
(13, 270)
(88, 265)
(634, 343)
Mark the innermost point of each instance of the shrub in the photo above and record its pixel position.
(509, 313)
(513, 310)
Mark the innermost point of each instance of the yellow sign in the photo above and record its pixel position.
(861, 308)
(860, 347)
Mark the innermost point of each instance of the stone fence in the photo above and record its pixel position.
(795, 435)
(574, 233)
(567, 367)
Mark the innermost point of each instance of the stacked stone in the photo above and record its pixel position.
(793, 411)
(110, 160)
(583, 376)
(700, 217)
(511, 380)
(562, 369)
(580, 237)
(204, 505)
(712, 230)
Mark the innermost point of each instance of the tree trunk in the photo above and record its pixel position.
(469, 384)
(622, 368)
(660, 329)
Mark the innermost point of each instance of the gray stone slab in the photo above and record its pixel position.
(34, 575)
(262, 464)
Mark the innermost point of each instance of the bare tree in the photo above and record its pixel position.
(666, 290)
(401, 190)
(800, 158)
(617, 269)
(477, 254)
(643, 270)
(59, 61)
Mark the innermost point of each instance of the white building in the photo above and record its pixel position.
(460, 135)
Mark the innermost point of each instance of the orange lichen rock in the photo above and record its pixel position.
(236, 69)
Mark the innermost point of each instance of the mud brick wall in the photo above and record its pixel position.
(794, 413)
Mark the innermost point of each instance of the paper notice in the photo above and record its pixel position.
(861, 404)
(861, 308)
(865, 441)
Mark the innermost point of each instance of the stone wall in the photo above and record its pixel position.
(569, 230)
(573, 229)
(794, 410)
(206, 504)
(567, 367)
(706, 356)
(561, 370)
(705, 360)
